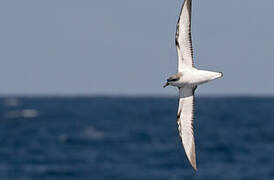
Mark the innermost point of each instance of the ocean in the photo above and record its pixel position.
(112, 138)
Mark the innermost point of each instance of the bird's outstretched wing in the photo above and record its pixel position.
(183, 38)
(185, 122)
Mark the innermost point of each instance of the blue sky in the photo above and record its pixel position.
(126, 47)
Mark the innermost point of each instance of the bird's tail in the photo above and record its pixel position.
(206, 76)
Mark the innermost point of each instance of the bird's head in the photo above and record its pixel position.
(173, 79)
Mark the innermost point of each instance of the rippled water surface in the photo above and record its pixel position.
(134, 138)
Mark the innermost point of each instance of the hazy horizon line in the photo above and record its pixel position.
(125, 95)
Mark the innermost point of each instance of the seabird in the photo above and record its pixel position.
(187, 79)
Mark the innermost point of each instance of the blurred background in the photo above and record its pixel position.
(82, 97)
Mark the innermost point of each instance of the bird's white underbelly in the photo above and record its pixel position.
(193, 77)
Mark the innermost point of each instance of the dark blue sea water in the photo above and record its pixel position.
(134, 138)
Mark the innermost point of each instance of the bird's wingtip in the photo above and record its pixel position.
(195, 168)
(191, 155)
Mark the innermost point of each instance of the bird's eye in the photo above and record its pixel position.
(172, 79)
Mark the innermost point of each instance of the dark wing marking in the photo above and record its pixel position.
(183, 38)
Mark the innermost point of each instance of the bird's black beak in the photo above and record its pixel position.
(167, 84)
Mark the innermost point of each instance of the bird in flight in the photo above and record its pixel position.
(187, 79)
